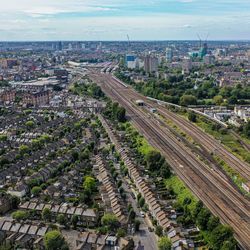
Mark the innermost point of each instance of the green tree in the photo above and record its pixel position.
(188, 100)
(164, 243)
(36, 191)
(74, 220)
(232, 100)
(141, 202)
(89, 184)
(121, 114)
(6, 246)
(218, 100)
(197, 209)
(3, 138)
(75, 155)
(165, 171)
(95, 91)
(213, 222)
(119, 183)
(34, 182)
(203, 218)
(36, 144)
(246, 129)
(24, 149)
(219, 236)
(121, 233)
(15, 202)
(138, 197)
(115, 112)
(27, 111)
(61, 219)
(154, 160)
(131, 214)
(192, 117)
(30, 124)
(111, 221)
(46, 214)
(20, 215)
(158, 230)
(84, 155)
(230, 244)
(53, 240)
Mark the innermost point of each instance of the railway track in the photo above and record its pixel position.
(211, 144)
(216, 193)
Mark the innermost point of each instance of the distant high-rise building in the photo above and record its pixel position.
(248, 55)
(59, 46)
(78, 45)
(150, 64)
(139, 63)
(83, 46)
(99, 47)
(130, 61)
(203, 50)
(70, 46)
(169, 54)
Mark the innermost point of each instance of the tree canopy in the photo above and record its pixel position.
(246, 129)
(111, 221)
(164, 243)
(53, 240)
(46, 214)
(188, 100)
(89, 184)
(221, 237)
(20, 215)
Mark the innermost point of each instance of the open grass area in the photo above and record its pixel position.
(234, 175)
(226, 138)
(144, 148)
(177, 129)
(244, 138)
(223, 135)
(181, 191)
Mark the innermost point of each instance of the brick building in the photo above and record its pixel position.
(7, 95)
(38, 98)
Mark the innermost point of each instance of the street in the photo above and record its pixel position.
(144, 239)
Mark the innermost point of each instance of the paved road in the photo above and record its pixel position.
(147, 239)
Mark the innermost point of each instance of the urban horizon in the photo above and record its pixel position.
(125, 124)
(126, 40)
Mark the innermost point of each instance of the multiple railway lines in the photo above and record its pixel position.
(209, 143)
(216, 192)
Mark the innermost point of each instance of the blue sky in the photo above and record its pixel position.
(114, 19)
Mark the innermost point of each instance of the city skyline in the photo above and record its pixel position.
(94, 20)
(125, 124)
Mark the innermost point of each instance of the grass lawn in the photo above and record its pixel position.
(142, 144)
(230, 142)
(144, 148)
(181, 191)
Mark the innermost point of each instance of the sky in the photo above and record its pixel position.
(22, 20)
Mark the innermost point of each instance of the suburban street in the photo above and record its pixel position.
(144, 239)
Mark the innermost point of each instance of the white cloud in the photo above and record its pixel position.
(52, 7)
(187, 26)
(31, 19)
